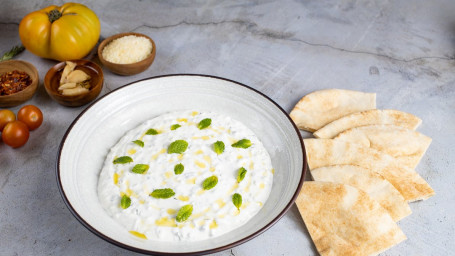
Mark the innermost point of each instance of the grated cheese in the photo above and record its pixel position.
(127, 49)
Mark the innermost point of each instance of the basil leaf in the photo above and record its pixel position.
(241, 174)
(162, 193)
(218, 147)
(125, 202)
(184, 213)
(178, 169)
(210, 182)
(140, 143)
(237, 200)
(178, 147)
(151, 132)
(140, 168)
(243, 143)
(204, 123)
(123, 160)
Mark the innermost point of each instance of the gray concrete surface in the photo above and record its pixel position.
(402, 50)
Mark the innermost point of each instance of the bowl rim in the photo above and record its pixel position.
(120, 35)
(32, 87)
(213, 250)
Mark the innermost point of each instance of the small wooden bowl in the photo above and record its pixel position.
(127, 69)
(24, 95)
(52, 82)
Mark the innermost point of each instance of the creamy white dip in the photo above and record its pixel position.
(213, 210)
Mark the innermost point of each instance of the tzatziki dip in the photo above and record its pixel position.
(185, 176)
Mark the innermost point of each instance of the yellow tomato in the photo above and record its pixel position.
(64, 32)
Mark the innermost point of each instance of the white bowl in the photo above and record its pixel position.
(87, 141)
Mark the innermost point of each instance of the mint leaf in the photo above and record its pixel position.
(151, 132)
(243, 143)
(125, 202)
(178, 169)
(210, 182)
(162, 193)
(184, 213)
(175, 127)
(204, 123)
(140, 168)
(237, 200)
(178, 147)
(123, 160)
(218, 147)
(140, 143)
(241, 174)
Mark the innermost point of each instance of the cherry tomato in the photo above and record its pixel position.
(15, 134)
(31, 116)
(6, 116)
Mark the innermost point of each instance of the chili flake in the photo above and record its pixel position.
(14, 81)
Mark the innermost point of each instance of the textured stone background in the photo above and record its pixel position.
(402, 50)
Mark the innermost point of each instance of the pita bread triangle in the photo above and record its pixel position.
(319, 108)
(405, 145)
(324, 152)
(368, 117)
(343, 220)
(368, 181)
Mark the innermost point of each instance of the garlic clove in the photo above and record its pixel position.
(67, 86)
(75, 91)
(85, 84)
(77, 76)
(70, 66)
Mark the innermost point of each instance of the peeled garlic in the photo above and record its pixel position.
(67, 86)
(77, 76)
(75, 91)
(70, 66)
(73, 82)
(85, 84)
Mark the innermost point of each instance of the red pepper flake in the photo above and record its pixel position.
(14, 81)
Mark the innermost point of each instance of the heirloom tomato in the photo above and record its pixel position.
(61, 33)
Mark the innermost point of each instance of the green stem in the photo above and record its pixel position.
(13, 52)
(54, 15)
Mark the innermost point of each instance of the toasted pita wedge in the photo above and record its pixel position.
(324, 152)
(343, 220)
(369, 117)
(367, 180)
(405, 145)
(319, 108)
